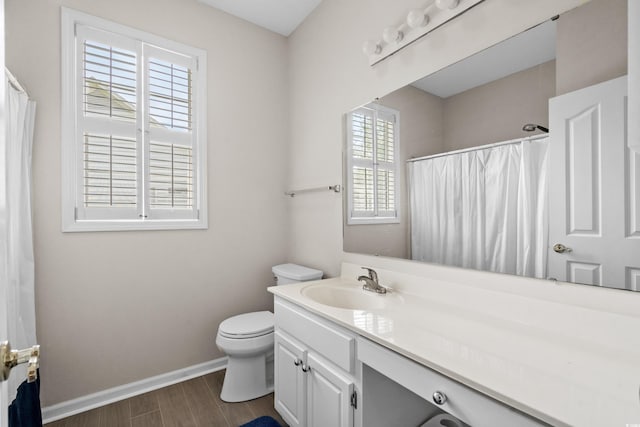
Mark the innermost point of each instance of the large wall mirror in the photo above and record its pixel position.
(513, 160)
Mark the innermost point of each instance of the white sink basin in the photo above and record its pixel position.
(350, 298)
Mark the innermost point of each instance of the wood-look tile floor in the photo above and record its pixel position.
(193, 403)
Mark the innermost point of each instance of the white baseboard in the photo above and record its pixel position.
(105, 397)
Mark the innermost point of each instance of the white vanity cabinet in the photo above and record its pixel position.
(314, 369)
(327, 375)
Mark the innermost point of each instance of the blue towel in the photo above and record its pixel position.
(262, 422)
(24, 411)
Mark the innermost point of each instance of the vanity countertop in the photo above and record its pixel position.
(564, 364)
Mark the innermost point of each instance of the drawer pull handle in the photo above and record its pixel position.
(439, 398)
(306, 368)
(297, 362)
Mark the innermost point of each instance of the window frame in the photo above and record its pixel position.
(72, 135)
(351, 161)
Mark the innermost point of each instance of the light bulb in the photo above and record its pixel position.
(446, 4)
(391, 35)
(370, 47)
(417, 18)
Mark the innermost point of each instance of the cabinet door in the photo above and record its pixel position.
(328, 395)
(290, 381)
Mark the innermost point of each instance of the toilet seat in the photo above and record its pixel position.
(248, 325)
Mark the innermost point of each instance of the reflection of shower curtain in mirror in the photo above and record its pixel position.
(484, 209)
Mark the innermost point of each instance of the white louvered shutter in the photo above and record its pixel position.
(385, 163)
(170, 171)
(107, 115)
(362, 181)
(136, 126)
(372, 164)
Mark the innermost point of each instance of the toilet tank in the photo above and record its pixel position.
(293, 273)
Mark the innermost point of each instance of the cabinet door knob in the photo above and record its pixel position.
(306, 368)
(297, 362)
(439, 397)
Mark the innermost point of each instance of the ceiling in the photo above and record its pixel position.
(279, 16)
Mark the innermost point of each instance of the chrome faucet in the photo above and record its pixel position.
(371, 282)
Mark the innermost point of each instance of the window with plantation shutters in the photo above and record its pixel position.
(133, 129)
(372, 165)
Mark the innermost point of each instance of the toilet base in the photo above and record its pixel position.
(248, 378)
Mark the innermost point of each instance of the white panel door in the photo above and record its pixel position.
(290, 381)
(328, 396)
(594, 195)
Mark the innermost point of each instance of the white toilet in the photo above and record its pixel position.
(247, 340)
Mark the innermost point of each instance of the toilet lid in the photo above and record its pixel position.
(247, 325)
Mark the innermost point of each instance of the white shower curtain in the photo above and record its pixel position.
(484, 209)
(20, 115)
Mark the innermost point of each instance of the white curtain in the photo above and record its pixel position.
(20, 114)
(484, 209)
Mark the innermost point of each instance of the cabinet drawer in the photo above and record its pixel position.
(332, 342)
(470, 406)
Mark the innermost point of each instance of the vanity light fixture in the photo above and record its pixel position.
(392, 35)
(418, 23)
(417, 18)
(371, 48)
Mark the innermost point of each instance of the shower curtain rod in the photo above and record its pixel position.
(481, 147)
(14, 82)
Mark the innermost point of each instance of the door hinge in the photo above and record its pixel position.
(354, 400)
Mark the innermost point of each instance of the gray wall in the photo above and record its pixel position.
(591, 45)
(497, 111)
(116, 307)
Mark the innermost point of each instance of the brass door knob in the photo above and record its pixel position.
(560, 248)
(10, 358)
